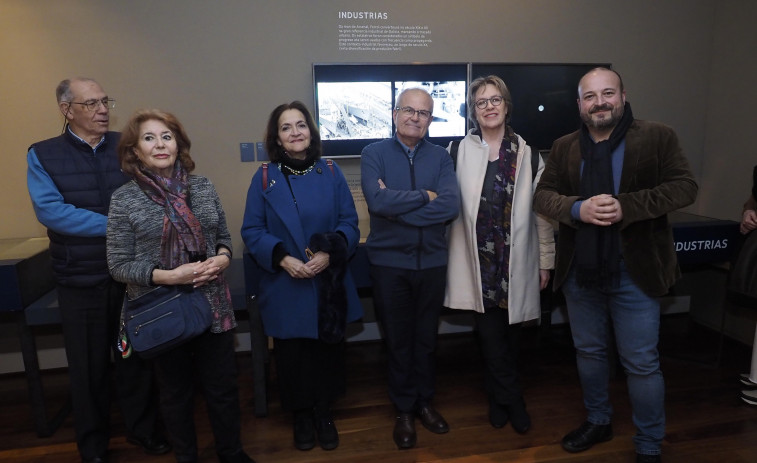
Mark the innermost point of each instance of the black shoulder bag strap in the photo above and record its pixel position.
(453, 152)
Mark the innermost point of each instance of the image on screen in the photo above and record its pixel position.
(354, 110)
(354, 102)
(449, 105)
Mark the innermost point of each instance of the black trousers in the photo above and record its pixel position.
(408, 303)
(207, 361)
(90, 318)
(310, 373)
(499, 343)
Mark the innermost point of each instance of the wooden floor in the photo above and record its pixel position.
(706, 420)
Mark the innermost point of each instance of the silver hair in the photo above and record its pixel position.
(63, 90)
(415, 89)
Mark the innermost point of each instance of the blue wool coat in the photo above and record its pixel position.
(318, 202)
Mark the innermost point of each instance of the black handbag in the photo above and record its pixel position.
(164, 318)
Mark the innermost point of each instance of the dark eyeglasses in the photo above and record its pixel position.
(495, 101)
(92, 105)
(410, 112)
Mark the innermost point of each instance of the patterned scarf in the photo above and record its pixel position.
(598, 250)
(182, 240)
(493, 226)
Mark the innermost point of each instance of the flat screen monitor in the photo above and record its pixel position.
(354, 102)
(544, 97)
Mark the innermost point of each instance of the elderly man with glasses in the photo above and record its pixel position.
(70, 179)
(411, 192)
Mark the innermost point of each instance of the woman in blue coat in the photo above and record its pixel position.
(301, 227)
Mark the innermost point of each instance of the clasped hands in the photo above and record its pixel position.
(192, 273)
(748, 221)
(602, 210)
(299, 269)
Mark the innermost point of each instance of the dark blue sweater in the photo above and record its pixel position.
(407, 230)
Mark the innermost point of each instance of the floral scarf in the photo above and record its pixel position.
(493, 225)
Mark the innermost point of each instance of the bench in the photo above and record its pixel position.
(27, 297)
(43, 311)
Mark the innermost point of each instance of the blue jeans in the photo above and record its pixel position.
(635, 318)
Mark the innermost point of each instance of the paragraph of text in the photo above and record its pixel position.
(369, 37)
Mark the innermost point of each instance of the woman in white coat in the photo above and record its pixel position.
(500, 251)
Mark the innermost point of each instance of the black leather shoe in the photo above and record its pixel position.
(585, 436)
(648, 458)
(304, 430)
(519, 417)
(404, 431)
(151, 445)
(328, 436)
(497, 414)
(432, 420)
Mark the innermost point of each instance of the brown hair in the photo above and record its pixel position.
(275, 151)
(481, 82)
(130, 138)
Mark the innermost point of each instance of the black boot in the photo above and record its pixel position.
(304, 430)
(497, 414)
(519, 417)
(328, 436)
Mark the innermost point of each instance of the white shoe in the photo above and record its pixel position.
(749, 396)
(745, 381)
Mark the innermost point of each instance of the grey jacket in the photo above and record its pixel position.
(135, 226)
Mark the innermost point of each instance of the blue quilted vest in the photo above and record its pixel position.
(86, 180)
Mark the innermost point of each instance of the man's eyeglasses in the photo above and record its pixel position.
(410, 112)
(495, 101)
(93, 105)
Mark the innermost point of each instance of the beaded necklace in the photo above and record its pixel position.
(295, 171)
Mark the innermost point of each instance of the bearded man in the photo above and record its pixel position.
(610, 185)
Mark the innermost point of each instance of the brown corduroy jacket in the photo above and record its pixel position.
(656, 179)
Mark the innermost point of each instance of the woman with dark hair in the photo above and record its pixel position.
(300, 225)
(167, 227)
(500, 251)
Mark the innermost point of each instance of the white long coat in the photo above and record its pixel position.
(532, 244)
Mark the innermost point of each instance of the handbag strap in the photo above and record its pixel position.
(122, 342)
